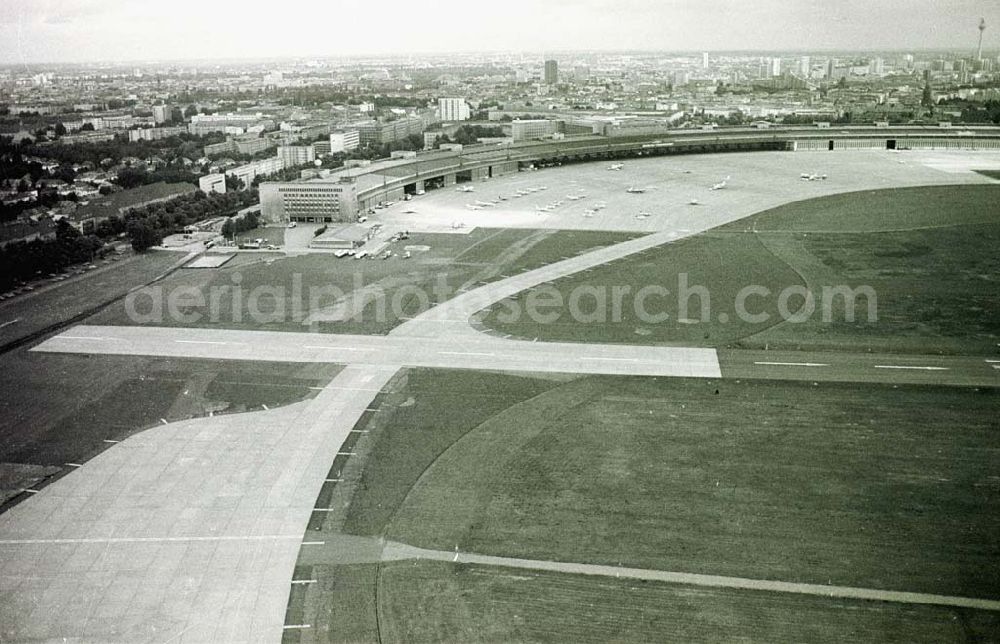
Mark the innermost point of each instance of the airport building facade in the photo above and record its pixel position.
(309, 202)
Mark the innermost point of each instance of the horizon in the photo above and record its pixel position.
(103, 31)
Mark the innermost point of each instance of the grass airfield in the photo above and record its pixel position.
(881, 486)
(874, 486)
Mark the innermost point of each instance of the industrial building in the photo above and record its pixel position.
(344, 141)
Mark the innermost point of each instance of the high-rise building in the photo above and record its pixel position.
(162, 113)
(295, 155)
(776, 66)
(831, 64)
(805, 66)
(453, 109)
(704, 60)
(551, 72)
(876, 67)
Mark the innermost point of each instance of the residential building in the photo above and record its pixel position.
(551, 72)
(295, 155)
(453, 109)
(213, 183)
(163, 113)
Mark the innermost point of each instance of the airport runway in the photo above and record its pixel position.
(484, 352)
(492, 353)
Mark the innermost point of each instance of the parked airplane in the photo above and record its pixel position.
(473, 206)
(465, 189)
(636, 191)
(721, 184)
(486, 204)
(694, 202)
(616, 166)
(812, 177)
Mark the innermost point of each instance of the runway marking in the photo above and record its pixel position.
(30, 490)
(266, 408)
(6, 324)
(267, 537)
(466, 353)
(291, 626)
(208, 342)
(324, 509)
(316, 346)
(164, 421)
(609, 359)
(992, 361)
(794, 364)
(345, 453)
(108, 440)
(80, 337)
(74, 465)
(333, 480)
(314, 543)
(894, 366)
(303, 581)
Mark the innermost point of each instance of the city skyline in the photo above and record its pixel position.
(82, 31)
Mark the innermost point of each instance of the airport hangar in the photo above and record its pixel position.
(342, 196)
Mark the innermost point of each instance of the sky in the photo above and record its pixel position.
(38, 31)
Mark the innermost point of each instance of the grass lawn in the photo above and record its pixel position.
(51, 305)
(59, 408)
(269, 283)
(928, 254)
(896, 487)
(443, 602)
(430, 410)
(272, 235)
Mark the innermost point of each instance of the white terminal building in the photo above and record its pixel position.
(317, 201)
(453, 109)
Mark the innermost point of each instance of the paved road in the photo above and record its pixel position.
(484, 353)
(187, 532)
(398, 551)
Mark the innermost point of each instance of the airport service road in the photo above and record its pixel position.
(401, 552)
(479, 352)
(187, 532)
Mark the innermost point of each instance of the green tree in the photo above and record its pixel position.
(142, 235)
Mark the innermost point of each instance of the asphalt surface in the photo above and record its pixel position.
(440, 351)
(187, 532)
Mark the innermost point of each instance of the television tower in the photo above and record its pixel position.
(982, 28)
